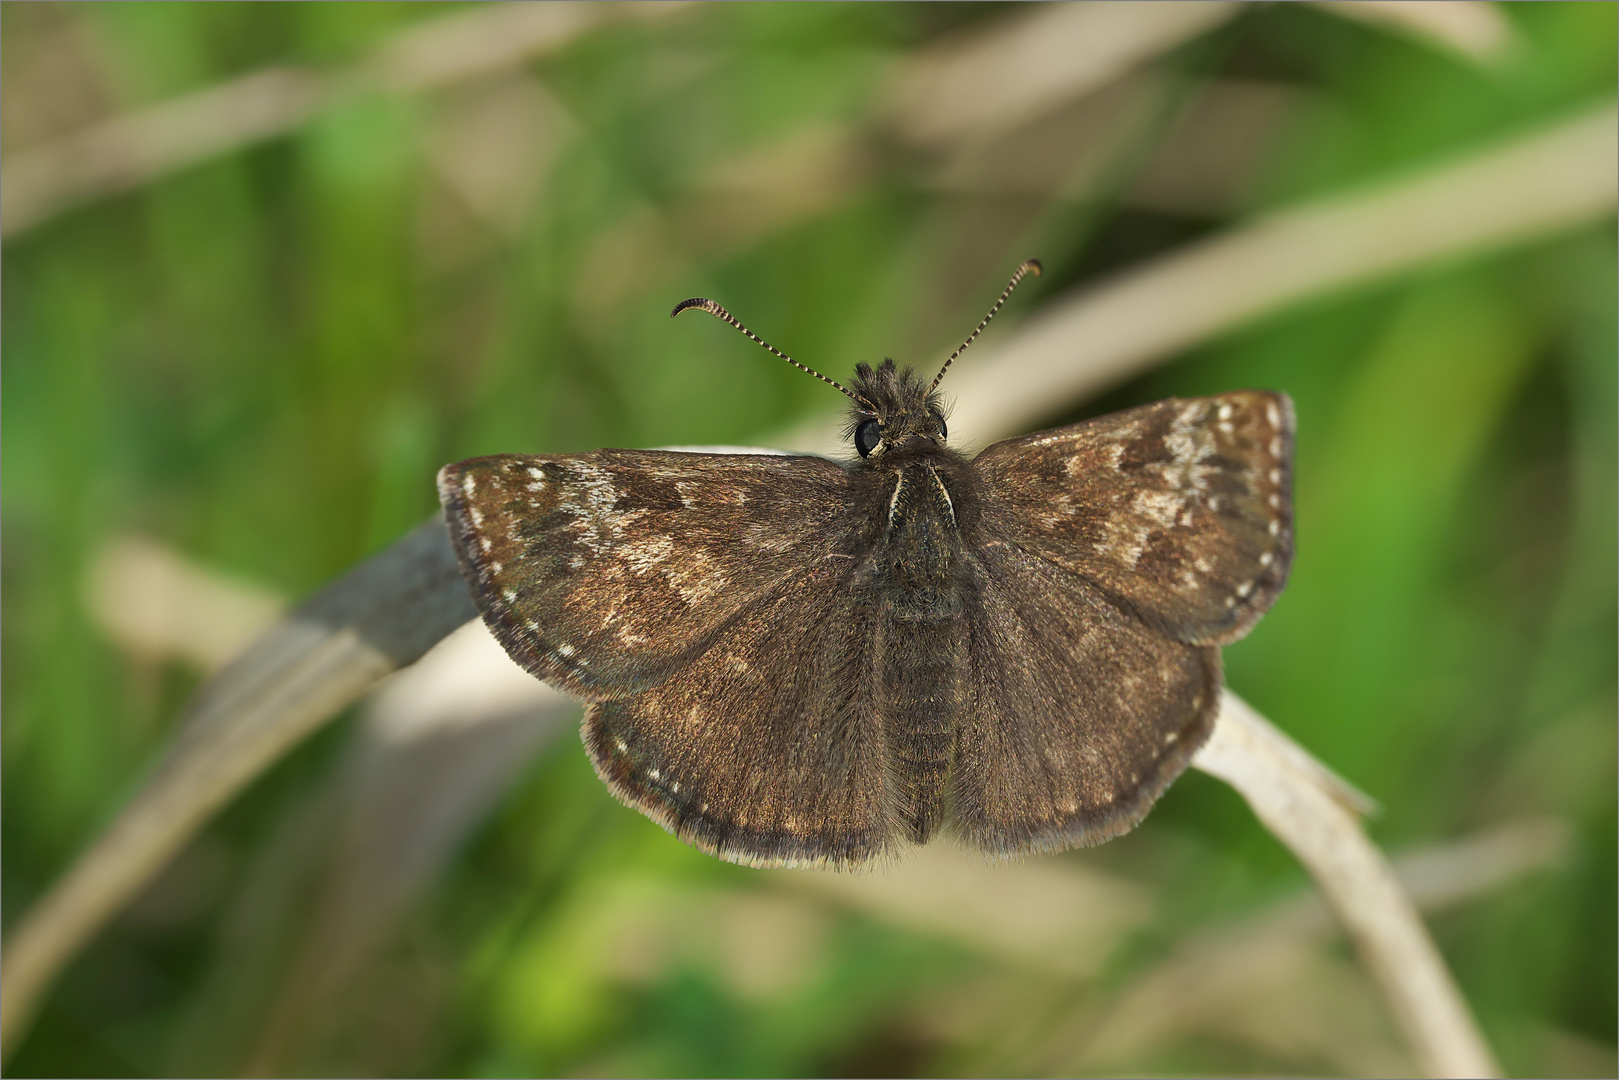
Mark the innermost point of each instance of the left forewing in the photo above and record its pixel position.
(1181, 511)
(602, 571)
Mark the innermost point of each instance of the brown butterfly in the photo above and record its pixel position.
(791, 660)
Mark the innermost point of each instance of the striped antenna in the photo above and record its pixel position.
(720, 313)
(1030, 266)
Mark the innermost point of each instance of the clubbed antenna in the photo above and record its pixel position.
(1030, 266)
(719, 312)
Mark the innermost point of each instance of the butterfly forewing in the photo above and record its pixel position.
(1180, 510)
(605, 572)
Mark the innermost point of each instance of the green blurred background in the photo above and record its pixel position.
(251, 363)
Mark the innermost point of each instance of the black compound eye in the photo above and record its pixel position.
(867, 436)
(938, 417)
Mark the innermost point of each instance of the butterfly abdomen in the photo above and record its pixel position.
(918, 574)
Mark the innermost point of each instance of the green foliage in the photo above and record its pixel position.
(261, 360)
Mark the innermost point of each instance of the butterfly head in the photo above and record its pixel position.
(893, 408)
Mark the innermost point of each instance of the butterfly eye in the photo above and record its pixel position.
(938, 418)
(867, 436)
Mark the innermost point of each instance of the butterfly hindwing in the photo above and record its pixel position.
(1180, 510)
(764, 749)
(603, 572)
(1079, 714)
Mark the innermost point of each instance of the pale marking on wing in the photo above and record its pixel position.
(483, 542)
(1275, 528)
(1225, 410)
(476, 516)
(566, 649)
(533, 624)
(510, 595)
(1160, 507)
(1266, 558)
(1189, 442)
(645, 556)
(496, 567)
(1276, 476)
(1272, 414)
(469, 484)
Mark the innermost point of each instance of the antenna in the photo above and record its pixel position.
(1030, 266)
(720, 313)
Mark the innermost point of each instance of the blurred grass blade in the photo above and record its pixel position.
(380, 616)
(1232, 972)
(439, 745)
(990, 81)
(134, 149)
(1475, 29)
(1307, 815)
(1548, 181)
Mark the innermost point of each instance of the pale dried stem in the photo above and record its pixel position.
(382, 615)
(1303, 805)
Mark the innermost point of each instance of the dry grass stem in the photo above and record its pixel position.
(1309, 816)
(381, 616)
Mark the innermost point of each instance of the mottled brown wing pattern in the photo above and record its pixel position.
(765, 749)
(1181, 510)
(604, 572)
(1079, 715)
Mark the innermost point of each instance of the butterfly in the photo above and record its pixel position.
(789, 660)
